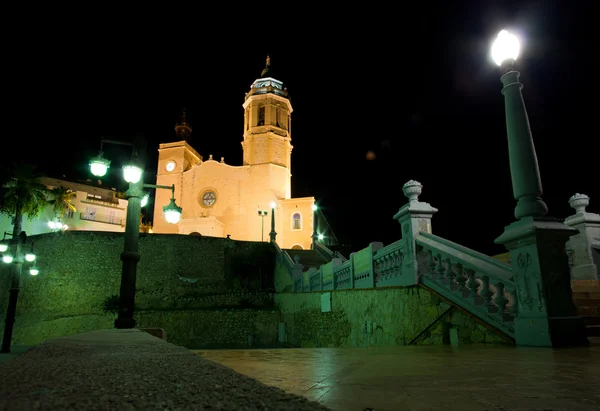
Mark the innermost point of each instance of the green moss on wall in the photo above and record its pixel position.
(80, 270)
(380, 317)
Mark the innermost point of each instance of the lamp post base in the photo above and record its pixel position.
(123, 323)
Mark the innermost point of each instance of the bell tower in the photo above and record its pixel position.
(267, 122)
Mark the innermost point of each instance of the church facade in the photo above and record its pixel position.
(219, 199)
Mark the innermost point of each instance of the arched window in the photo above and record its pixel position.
(296, 222)
(261, 116)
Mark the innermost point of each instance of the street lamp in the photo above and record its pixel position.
(263, 214)
(17, 260)
(524, 170)
(272, 234)
(314, 234)
(136, 198)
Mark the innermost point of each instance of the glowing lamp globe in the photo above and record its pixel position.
(506, 47)
(145, 200)
(99, 166)
(132, 173)
(52, 225)
(30, 257)
(273, 204)
(7, 259)
(3, 247)
(34, 271)
(314, 207)
(321, 236)
(172, 212)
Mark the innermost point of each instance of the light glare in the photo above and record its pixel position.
(505, 47)
(132, 174)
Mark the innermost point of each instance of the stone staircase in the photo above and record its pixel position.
(586, 296)
(308, 258)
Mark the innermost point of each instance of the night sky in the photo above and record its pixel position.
(415, 86)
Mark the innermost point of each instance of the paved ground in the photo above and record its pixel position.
(126, 370)
(429, 378)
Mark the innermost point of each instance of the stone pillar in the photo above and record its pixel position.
(414, 217)
(546, 315)
(585, 258)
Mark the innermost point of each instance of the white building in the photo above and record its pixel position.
(97, 209)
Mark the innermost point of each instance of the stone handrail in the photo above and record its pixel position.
(471, 280)
(284, 256)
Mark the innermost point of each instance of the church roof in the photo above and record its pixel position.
(266, 84)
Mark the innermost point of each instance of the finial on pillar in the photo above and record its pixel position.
(412, 190)
(579, 202)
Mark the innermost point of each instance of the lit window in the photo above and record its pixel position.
(296, 222)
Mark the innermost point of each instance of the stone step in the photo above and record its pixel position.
(593, 330)
(586, 310)
(586, 295)
(591, 319)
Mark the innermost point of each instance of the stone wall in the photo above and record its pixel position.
(377, 317)
(203, 291)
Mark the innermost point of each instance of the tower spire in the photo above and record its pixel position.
(183, 130)
(267, 70)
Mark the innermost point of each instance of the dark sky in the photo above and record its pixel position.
(414, 85)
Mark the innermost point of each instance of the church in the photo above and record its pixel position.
(220, 200)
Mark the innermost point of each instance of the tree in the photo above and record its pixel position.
(21, 194)
(62, 200)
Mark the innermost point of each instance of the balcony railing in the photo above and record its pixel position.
(114, 203)
(101, 218)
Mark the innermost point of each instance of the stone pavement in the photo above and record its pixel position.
(463, 378)
(130, 370)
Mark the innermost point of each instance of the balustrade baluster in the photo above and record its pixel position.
(485, 289)
(460, 278)
(430, 263)
(472, 283)
(449, 271)
(440, 267)
(500, 299)
(514, 307)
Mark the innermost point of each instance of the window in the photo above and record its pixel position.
(69, 214)
(277, 114)
(261, 116)
(90, 213)
(296, 222)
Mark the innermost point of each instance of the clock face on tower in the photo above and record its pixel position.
(208, 199)
(170, 166)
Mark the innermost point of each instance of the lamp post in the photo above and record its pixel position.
(314, 234)
(262, 214)
(545, 312)
(132, 173)
(17, 260)
(525, 173)
(272, 234)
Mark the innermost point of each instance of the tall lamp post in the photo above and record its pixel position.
(16, 260)
(314, 234)
(132, 173)
(272, 234)
(546, 313)
(262, 214)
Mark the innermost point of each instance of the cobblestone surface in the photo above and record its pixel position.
(130, 370)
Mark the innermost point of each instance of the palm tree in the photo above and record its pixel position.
(62, 200)
(21, 194)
